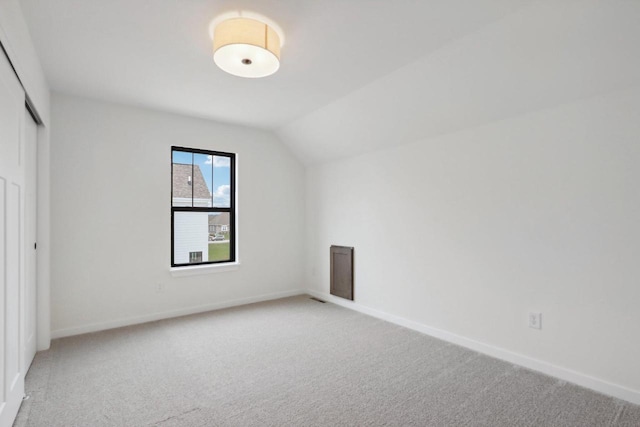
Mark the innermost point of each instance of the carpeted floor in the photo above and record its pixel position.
(294, 362)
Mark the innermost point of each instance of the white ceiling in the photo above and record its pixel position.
(356, 75)
(549, 53)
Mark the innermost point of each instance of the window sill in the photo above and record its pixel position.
(204, 269)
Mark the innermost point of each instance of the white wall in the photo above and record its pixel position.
(111, 194)
(468, 232)
(14, 35)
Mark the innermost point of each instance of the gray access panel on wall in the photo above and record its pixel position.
(342, 271)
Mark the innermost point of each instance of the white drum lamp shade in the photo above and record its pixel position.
(246, 48)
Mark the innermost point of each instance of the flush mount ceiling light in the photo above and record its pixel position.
(246, 47)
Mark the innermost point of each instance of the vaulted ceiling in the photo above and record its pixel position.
(356, 75)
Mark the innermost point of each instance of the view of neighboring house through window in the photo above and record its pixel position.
(202, 207)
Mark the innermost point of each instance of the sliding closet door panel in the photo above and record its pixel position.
(12, 290)
(30, 300)
(12, 264)
(3, 282)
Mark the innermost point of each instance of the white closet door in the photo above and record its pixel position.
(30, 185)
(12, 262)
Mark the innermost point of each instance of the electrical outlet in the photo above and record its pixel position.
(535, 320)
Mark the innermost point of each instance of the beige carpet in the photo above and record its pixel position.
(294, 362)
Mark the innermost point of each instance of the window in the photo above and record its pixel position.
(195, 257)
(202, 207)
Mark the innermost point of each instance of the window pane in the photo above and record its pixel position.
(190, 234)
(202, 180)
(221, 181)
(201, 237)
(219, 236)
(182, 176)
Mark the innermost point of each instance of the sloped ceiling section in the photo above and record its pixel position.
(546, 54)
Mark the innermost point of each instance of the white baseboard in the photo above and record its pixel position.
(101, 326)
(565, 374)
